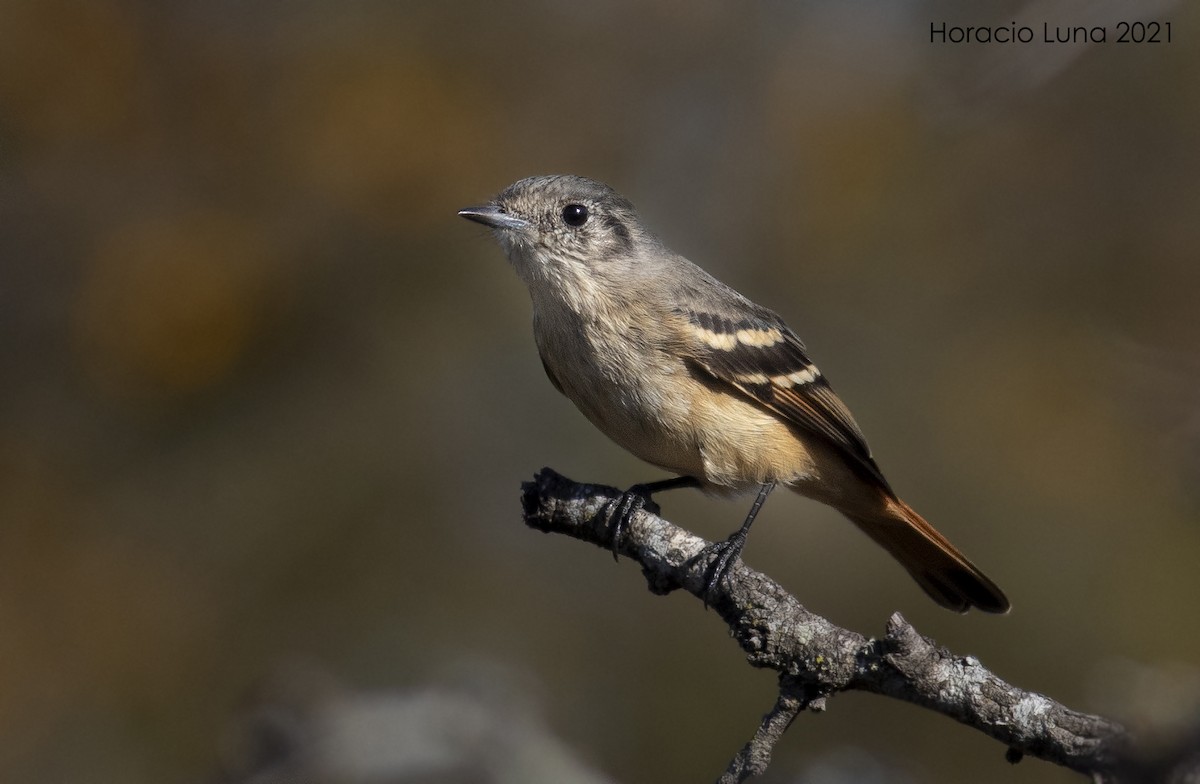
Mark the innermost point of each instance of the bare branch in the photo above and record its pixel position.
(755, 756)
(816, 659)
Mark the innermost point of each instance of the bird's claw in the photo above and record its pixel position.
(622, 510)
(723, 554)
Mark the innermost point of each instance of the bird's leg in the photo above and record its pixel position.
(637, 497)
(731, 548)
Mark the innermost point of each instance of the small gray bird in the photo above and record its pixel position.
(689, 375)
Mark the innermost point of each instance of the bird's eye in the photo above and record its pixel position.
(575, 215)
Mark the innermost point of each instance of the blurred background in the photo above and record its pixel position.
(266, 402)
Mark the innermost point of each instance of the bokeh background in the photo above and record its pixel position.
(266, 402)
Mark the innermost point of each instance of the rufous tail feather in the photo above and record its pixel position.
(938, 567)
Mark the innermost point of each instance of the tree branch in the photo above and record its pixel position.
(816, 659)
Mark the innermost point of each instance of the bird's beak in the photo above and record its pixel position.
(491, 215)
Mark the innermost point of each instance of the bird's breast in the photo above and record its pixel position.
(626, 374)
(619, 372)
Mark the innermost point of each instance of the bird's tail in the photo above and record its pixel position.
(938, 567)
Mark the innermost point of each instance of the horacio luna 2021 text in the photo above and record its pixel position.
(1012, 33)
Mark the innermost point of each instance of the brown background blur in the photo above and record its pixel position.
(265, 399)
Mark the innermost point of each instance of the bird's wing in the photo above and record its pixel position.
(760, 357)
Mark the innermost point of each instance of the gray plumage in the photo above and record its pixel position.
(689, 375)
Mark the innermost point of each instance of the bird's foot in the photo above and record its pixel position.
(638, 497)
(723, 555)
(622, 510)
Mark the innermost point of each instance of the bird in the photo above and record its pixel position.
(691, 376)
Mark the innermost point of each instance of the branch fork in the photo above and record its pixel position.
(816, 659)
